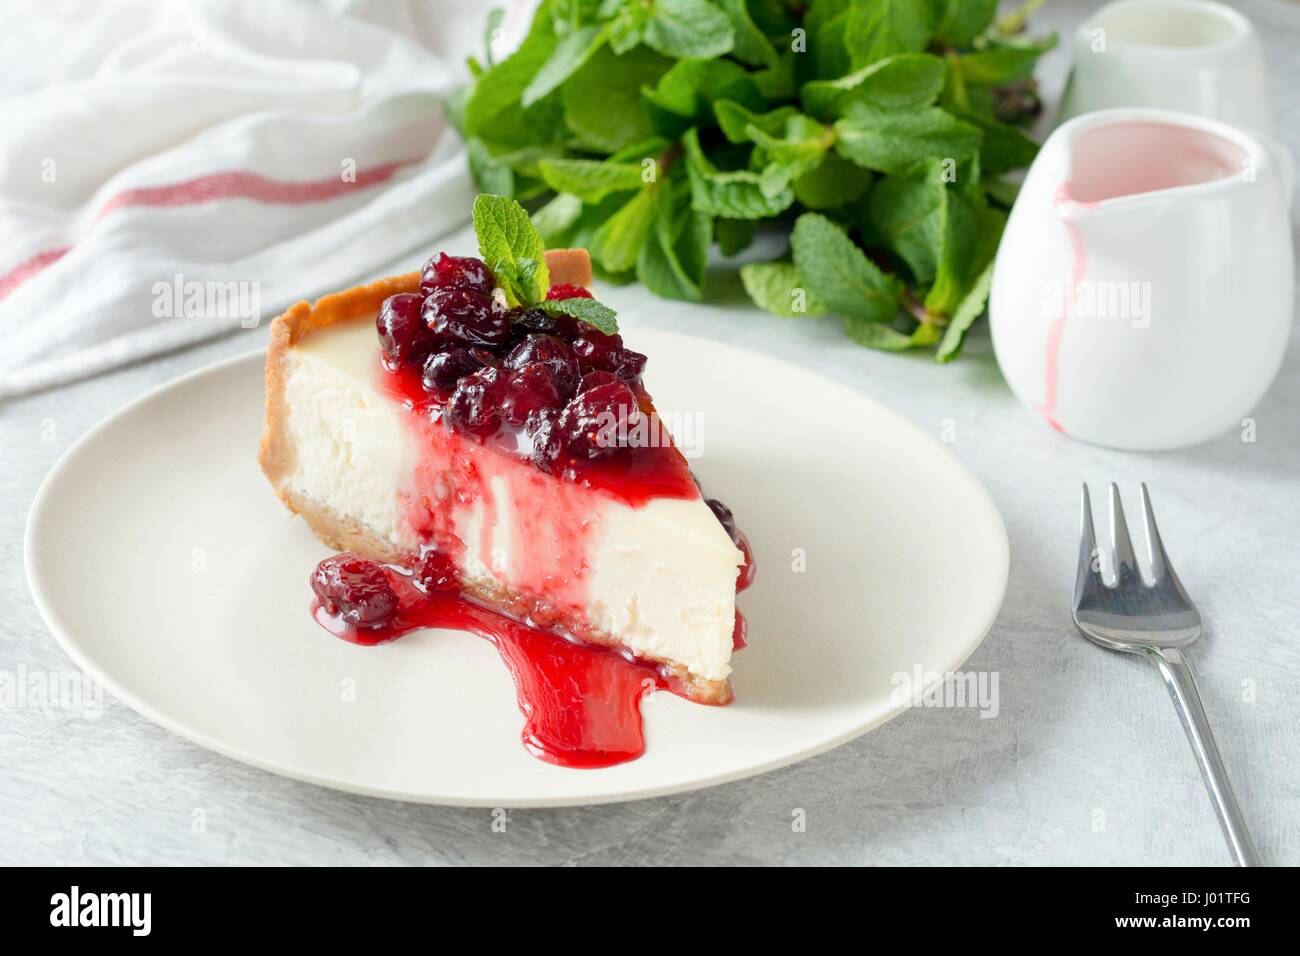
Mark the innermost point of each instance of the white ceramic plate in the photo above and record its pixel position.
(163, 563)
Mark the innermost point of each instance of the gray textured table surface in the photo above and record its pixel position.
(1085, 763)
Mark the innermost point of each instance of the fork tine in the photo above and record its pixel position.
(1155, 547)
(1087, 577)
(1121, 552)
(1165, 577)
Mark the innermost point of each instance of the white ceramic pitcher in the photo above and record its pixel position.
(1188, 55)
(1143, 289)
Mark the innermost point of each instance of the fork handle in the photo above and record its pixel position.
(1182, 688)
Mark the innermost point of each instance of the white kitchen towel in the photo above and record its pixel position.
(173, 170)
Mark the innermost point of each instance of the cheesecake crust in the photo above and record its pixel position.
(276, 456)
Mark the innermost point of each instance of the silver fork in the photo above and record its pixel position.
(1155, 618)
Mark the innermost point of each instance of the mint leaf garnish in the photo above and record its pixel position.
(590, 311)
(512, 248)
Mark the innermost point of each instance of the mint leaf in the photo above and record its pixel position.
(627, 29)
(490, 174)
(803, 141)
(595, 314)
(621, 237)
(907, 213)
(776, 83)
(890, 141)
(494, 111)
(751, 46)
(903, 81)
(733, 236)
(512, 248)
(776, 287)
(958, 22)
(1001, 191)
(970, 309)
(602, 101)
(877, 335)
(555, 218)
(735, 120)
(672, 262)
(589, 179)
(570, 53)
(684, 96)
(974, 229)
(827, 26)
(1004, 147)
(512, 172)
(877, 28)
(1003, 62)
(734, 194)
(839, 274)
(956, 251)
(832, 183)
(688, 29)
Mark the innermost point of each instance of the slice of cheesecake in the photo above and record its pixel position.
(406, 418)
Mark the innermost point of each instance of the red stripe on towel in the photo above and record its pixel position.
(232, 184)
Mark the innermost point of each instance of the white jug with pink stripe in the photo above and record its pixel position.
(1143, 289)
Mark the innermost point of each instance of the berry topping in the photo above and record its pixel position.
(724, 516)
(443, 370)
(535, 320)
(597, 421)
(475, 405)
(436, 573)
(592, 379)
(465, 316)
(403, 336)
(563, 290)
(356, 589)
(547, 442)
(551, 351)
(528, 391)
(606, 353)
(455, 272)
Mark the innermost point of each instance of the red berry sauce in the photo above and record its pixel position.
(581, 703)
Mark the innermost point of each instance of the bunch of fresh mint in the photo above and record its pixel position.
(875, 131)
